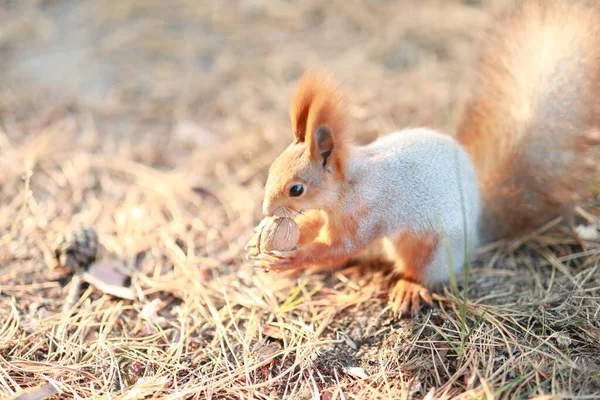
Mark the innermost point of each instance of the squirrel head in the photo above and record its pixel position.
(309, 173)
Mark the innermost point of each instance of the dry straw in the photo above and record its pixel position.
(155, 124)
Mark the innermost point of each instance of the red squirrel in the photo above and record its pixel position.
(522, 156)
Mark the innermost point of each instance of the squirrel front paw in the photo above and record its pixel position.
(406, 296)
(274, 244)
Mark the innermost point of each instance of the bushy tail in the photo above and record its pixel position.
(532, 119)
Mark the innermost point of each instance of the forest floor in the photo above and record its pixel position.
(154, 123)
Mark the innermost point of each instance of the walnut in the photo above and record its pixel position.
(277, 233)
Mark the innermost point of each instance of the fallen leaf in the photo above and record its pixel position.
(106, 277)
(40, 392)
(146, 386)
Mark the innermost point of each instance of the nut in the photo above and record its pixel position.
(278, 233)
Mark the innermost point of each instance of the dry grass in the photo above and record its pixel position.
(155, 124)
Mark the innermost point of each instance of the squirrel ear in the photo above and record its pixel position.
(322, 143)
(301, 103)
(299, 124)
(318, 114)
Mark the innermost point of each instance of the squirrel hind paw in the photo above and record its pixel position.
(406, 296)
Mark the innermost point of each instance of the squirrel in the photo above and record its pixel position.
(522, 156)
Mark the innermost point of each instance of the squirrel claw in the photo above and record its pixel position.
(266, 266)
(251, 251)
(406, 297)
(273, 260)
(252, 243)
(261, 265)
(268, 259)
(282, 254)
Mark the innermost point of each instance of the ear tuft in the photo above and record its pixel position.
(317, 101)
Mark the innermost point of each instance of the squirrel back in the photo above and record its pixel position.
(531, 122)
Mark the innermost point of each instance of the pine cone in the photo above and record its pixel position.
(77, 249)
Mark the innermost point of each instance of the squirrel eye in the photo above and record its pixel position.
(296, 190)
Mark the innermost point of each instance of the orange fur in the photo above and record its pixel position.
(310, 224)
(313, 253)
(530, 120)
(318, 101)
(413, 253)
(331, 236)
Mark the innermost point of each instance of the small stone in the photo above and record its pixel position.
(589, 233)
(356, 372)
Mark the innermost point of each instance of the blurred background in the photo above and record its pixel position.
(201, 90)
(230, 65)
(93, 93)
(110, 106)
